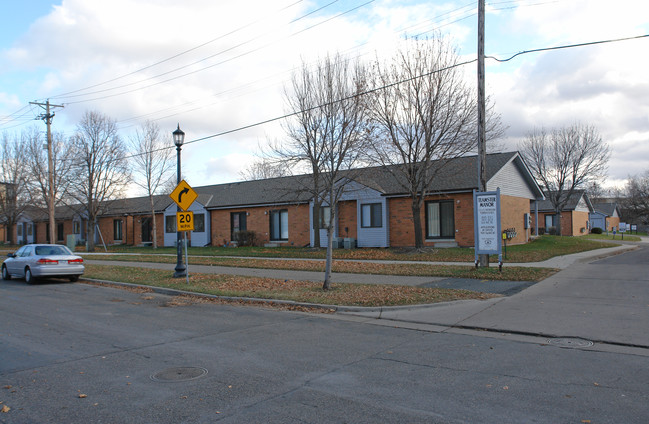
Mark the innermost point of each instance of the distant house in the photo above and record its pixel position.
(375, 210)
(574, 216)
(605, 216)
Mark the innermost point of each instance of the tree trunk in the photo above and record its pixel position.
(330, 245)
(90, 238)
(10, 233)
(416, 222)
(330, 250)
(154, 237)
(316, 223)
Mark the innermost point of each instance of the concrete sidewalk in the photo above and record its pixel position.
(604, 300)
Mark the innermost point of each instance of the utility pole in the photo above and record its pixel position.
(482, 148)
(47, 117)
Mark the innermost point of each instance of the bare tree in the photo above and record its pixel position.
(101, 170)
(154, 164)
(564, 160)
(328, 133)
(37, 165)
(636, 199)
(263, 169)
(426, 115)
(13, 175)
(305, 144)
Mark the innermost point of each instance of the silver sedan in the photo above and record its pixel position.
(42, 260)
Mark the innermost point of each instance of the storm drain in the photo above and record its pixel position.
(179, 374)
(570, 342)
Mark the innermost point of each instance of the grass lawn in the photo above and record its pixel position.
(611, 237)
(353, 267)
(542, 248)
(299, 291)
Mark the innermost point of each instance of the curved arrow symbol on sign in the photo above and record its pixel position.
(180, 195)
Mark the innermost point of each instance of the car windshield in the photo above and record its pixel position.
(52, 250)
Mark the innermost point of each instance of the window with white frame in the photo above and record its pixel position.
(170, 224)
(199, 222)
(371, 215)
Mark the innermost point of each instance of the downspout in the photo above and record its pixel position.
(536, 217)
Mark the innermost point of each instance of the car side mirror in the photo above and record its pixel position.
(11, 255)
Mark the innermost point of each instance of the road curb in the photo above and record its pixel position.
(252, 300)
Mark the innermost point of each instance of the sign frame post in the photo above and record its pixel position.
(487, 225)
(183, 195)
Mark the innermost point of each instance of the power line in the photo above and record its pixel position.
(181, 53)
(592, 43)
(263, 35)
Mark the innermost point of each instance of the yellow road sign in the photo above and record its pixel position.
(183, 195)
(185, 221)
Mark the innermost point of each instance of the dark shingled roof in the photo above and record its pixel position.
(573, 201)
(607, 209)
(459, 174)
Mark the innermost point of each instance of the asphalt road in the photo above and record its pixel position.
(76, 353)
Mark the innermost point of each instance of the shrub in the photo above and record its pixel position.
(246, 238)
(552, 231)
(596, 230)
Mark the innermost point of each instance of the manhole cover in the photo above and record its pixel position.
(179, 374)
(570, 342)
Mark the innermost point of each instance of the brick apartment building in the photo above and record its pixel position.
(375, 210)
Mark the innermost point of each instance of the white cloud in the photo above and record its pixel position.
(255, 47)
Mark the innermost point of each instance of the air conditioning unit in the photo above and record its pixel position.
(349, 243)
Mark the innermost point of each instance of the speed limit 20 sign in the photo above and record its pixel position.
(185, 221)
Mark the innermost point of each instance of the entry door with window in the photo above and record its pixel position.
(440, 220)
(147, 229)
(237, 223)
(549, 222)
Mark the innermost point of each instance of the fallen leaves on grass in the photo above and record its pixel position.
(292, 290)
(358, 267)
(5, 409)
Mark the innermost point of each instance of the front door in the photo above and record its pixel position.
(238, 223)
(147, 230)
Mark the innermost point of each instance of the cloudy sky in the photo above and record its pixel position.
(218, 66)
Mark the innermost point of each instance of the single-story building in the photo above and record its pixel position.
(374, 211)
(574, 215)
(605, 216)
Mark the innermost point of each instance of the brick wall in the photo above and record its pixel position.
(513, 210)
(512, 215)
(258, 220)
(347, 219)
(402, 231)
(579, 221)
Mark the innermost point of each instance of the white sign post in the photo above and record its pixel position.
(486, 211)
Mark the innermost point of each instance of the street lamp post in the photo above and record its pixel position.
(180, 270)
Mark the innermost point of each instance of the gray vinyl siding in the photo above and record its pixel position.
(197, 239)
(511, 182)
(366, 237)
(372, 237)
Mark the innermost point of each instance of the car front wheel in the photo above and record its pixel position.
(5, 273)
(29, 278)
(74, 278)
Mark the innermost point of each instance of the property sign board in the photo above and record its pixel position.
(185, 221)
(486, 206)
(183, 195)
